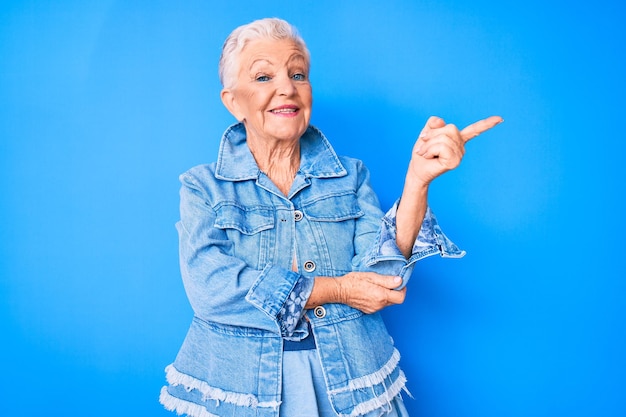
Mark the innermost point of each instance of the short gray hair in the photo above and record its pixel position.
(268, 28)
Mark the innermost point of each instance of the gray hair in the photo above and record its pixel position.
(268, 28)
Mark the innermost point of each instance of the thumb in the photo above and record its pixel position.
(389, 281)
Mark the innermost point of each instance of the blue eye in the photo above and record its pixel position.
(299, 77)
(262, 78)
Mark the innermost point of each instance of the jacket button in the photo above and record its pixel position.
(320, 312)
(297, 215)
(309, 266)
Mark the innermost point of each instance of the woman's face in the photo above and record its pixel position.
(272, 95)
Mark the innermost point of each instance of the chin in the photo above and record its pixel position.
(290, 134)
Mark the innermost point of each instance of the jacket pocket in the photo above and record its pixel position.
(335, 207)
(250, 231)
(246, 220)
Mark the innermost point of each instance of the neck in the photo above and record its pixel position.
(280, 161)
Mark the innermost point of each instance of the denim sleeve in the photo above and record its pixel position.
(290, 317)
(384, 256)
(221, 287)
(375, 241)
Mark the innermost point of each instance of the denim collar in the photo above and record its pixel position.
(236, 163)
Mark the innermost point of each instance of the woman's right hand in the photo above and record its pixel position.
(366, 291)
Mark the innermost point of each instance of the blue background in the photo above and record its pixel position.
(103, 104)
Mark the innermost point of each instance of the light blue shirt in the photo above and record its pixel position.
(239, 236)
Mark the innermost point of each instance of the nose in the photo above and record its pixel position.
(285, 86)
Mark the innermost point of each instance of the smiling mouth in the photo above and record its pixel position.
(284, 110)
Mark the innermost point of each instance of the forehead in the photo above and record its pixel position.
(272, 51)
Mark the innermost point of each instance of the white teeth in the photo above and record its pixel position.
(284, 111)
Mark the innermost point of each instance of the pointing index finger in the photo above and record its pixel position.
(479, 127)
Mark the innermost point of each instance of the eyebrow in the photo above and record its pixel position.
(260, 60)
(298, 56)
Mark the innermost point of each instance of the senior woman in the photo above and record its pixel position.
(286, 256)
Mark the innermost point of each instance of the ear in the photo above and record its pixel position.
(230, 102)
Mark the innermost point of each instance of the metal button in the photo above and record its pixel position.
(297, 215)
(309, 266)
(320, 312)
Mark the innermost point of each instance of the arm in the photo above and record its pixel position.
(220, 286)
(365, 291)
(439, 148)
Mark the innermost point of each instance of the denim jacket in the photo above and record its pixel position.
(239, 236)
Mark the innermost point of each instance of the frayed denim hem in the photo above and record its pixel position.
(382, 401)
(189, 383)
(172, 403)
(371, 380)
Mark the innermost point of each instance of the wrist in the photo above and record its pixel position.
(325, 290)
(415, 183)
(339, 291)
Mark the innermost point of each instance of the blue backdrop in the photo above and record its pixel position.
(103, 104)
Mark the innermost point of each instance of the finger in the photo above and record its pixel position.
(397, 296)
(445, 155)
(386, 281)
(442, 145)
(479, 127)
(433, 122)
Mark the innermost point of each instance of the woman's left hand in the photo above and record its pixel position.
(441, 146)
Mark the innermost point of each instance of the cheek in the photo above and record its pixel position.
(250, 104)
(258, 101)
(249, 98)
(307, 95)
